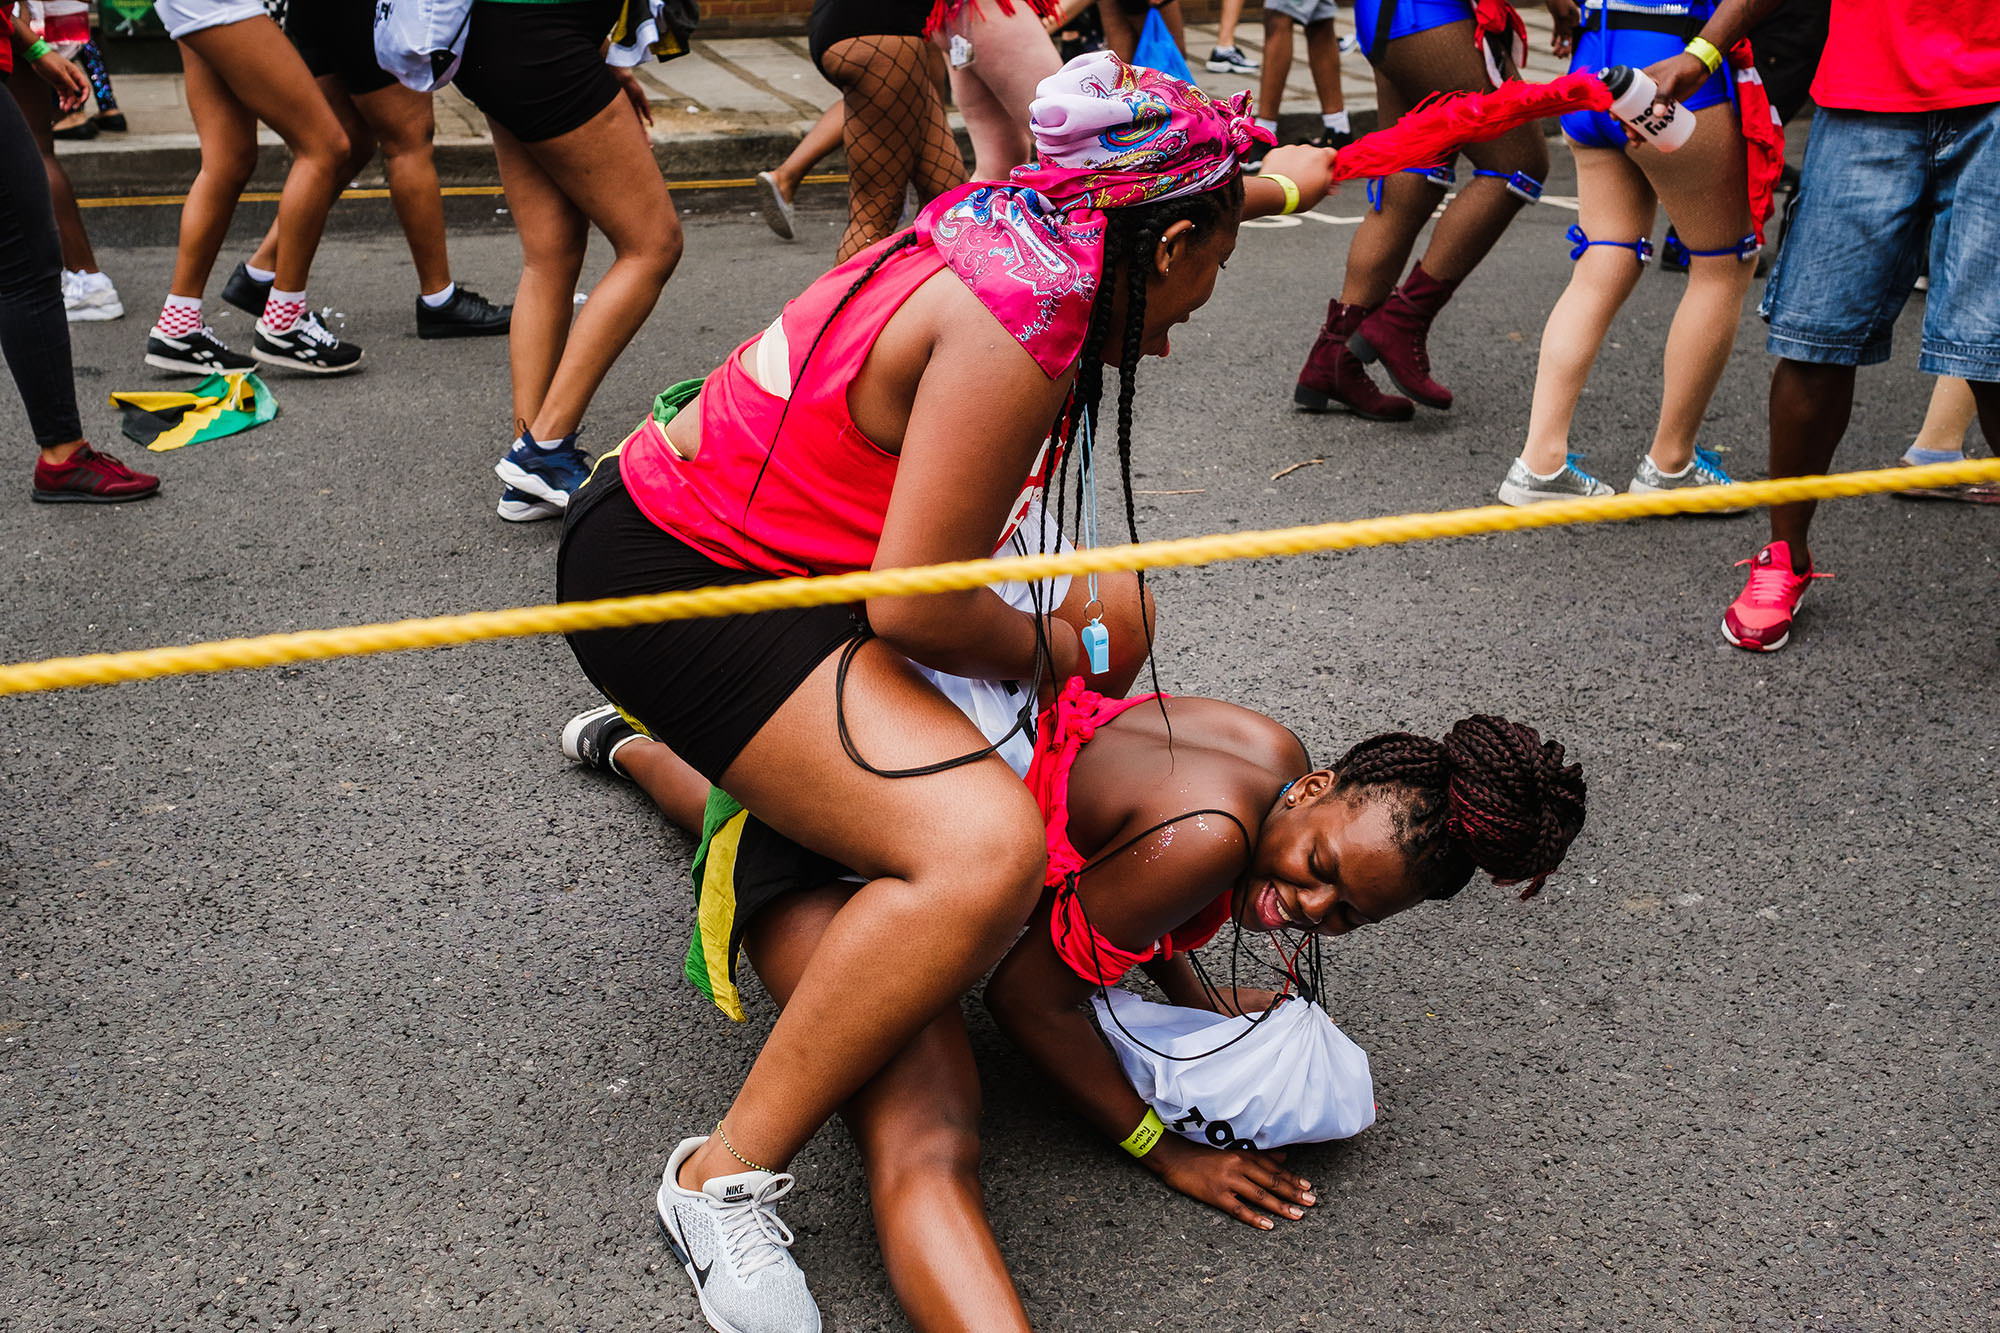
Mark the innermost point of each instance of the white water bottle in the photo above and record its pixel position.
(1632, 99)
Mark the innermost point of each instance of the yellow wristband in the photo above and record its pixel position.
(1704, 50)
(1288, 185)
(1142, 1140)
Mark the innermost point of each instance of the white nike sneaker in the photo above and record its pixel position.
(736, 1252)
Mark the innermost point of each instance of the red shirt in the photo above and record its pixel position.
(1910, 55)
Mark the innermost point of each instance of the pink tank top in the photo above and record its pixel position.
(785, 482)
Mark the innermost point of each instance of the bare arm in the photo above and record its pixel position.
(981, 411)
(1041, 1004)
(1678, 76)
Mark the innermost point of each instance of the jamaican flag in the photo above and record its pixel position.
(741, 866)
(220, 405)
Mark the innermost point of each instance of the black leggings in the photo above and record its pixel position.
(34, 330)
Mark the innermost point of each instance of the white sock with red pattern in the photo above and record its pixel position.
(282, 311)
(180, 316)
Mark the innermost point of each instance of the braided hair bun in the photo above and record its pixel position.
(1491, 795)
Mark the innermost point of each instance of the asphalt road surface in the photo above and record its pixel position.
(335, 998)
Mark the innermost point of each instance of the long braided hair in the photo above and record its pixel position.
(1491, 795)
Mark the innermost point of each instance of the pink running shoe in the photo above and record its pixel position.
(1760, 619)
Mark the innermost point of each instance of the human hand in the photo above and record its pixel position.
(1310, 168)
(1243, 1001)
(635, 92)
(1678, 77)
(1239, 1181)
(70, 85)
(1566, 17)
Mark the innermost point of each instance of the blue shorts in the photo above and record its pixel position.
(1878, 192)
(1628, 37)
(1410, 16)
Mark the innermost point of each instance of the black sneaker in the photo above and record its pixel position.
(245, 292)
(1334, 139)
(200, 353)
(596, 737)
(466, 315)
(306, 346)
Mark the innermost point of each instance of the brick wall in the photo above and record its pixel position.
(736, 18)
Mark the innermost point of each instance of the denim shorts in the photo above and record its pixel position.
(1880, 190)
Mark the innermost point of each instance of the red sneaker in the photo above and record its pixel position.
(1760, 619)
(90, 477)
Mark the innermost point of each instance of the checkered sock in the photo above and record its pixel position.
(282, 311)
(180, 316)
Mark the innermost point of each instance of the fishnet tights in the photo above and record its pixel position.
(895, 133)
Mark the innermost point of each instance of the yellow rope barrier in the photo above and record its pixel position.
(440, 631)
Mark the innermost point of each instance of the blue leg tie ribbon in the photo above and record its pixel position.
(1643, 247)
(1443, 176)
(1745, 250)
(1519, 184)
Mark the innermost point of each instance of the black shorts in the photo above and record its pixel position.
(536, 69)
(337, 39)
(838, 20)
(704, 687)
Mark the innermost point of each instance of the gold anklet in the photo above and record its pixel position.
(737, 1155)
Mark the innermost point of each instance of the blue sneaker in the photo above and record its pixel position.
(521, 507)
(547, 474)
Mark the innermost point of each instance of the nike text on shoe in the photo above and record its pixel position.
(245, 292)
(728, 1238)
(89, 477)
(305, 346)
(466, 315)
(595, 738)
(199, 353)
(521, 507)
(1523, 487)
(549, 474)
(1760, 619)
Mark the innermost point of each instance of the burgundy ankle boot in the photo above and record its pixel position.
(1334, 381)
(1395, 333)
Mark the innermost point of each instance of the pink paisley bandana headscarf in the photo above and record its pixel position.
(1107, 135)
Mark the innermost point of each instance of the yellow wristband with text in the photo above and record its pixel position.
(1142, 1140)
(1289, 186)
(1704, 50)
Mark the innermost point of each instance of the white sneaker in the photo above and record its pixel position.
(736, 1252)
(89, 298)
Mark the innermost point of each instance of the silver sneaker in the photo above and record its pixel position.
(1704, 469)
(1523, 487)
(736, 1252)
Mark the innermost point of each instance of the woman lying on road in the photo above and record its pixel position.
(1166, 821)
(893, 415)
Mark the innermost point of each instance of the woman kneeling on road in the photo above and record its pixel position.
(893, 415)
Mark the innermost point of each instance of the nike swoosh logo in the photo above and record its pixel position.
(700, 1270)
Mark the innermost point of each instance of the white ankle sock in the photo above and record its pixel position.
(1270, 124)
(259, 274)
(1336, 121)
(440, 298)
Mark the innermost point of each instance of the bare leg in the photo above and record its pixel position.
(1705, 192)
(956, 864)
(38, 107)
(553, 234)
(603, 171)
(1225, 22)
(228, 134)
(1614, 203)
(679, 791)
(1121, 30)
(820, 140)
(360, 148)
(1383, 241)
(1949, 417)
(268, 78)
(1170, 14)
(1010, 55)
(1323, 56)
(917, 1126)
(1810, 406)
(1277, 64)
(404, 123)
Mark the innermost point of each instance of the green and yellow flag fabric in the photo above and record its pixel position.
(741, 866)
(220, 405)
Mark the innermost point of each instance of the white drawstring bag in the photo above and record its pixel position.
(1295, 1078)
(421, 41)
